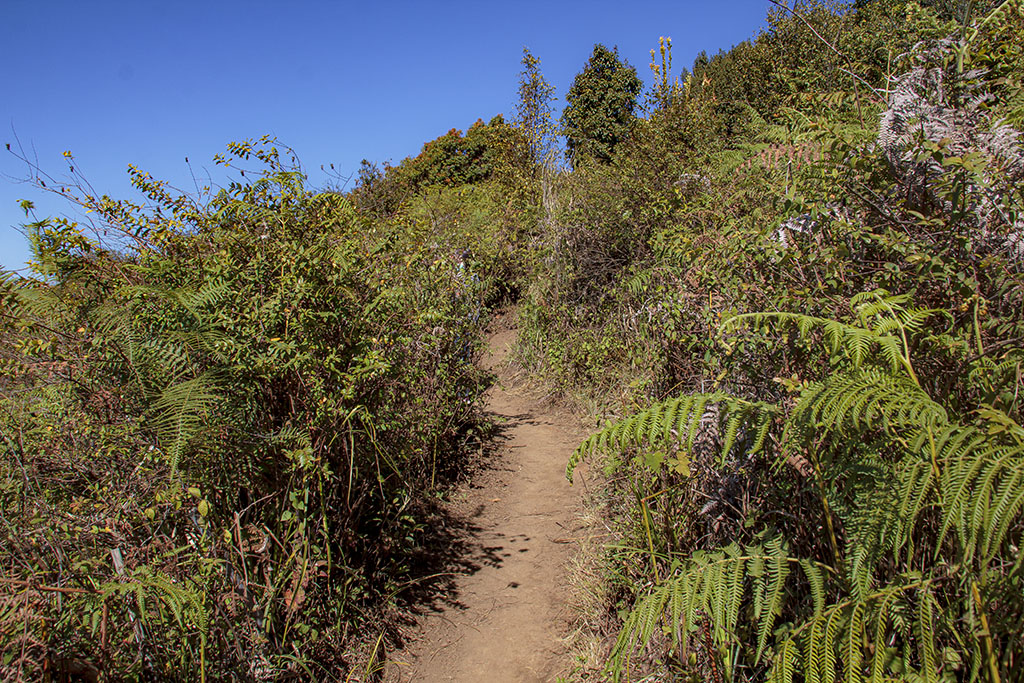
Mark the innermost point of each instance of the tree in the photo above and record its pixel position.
(599, 107)
(534, 110)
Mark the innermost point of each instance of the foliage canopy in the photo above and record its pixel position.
(599, 106)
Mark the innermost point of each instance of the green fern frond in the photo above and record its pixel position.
(865, 399)
(885, 324)
(982, 487)
(678, 420)
(181, 411)
(150, 587)
(910, 482)
(853, 341)
(870, 304)
(926, 636)
(713, 584)
(777, 571)
(638, 283)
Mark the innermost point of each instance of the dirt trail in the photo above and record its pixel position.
(507, 616)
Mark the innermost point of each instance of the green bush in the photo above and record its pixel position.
(219, 442)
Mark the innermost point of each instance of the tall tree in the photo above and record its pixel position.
(534, 110)
(599, 107)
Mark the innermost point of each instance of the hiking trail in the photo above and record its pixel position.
(507, 617)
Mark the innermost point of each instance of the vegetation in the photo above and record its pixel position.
(790, 278)
(599, 106)
(221, 440)
(810, 250)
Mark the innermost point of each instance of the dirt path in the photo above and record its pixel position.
(507, 616)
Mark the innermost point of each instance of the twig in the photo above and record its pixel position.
(115, 555)
(48, 589)
(830, 46)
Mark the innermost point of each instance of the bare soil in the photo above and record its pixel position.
(505, 614)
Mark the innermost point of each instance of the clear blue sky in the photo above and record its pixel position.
(150, 83)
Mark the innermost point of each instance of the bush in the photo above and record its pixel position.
(219, 443)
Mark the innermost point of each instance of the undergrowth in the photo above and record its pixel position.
(797, 288)
(226, 420)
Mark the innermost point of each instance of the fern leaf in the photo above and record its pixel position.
(881, 619)
(852, 651)
(849, 402)
(777, 571)
(181, 411)
(676, 420)
(926, 634)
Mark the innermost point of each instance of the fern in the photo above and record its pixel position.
(982, 485)
(941, 494)
(159, 602)
(678, 420)
(885, 324)
(868, 398)
(180, 413)
(714, 585)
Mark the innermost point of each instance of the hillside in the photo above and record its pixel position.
(258, 433)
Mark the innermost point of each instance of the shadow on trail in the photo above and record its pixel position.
(453, 544)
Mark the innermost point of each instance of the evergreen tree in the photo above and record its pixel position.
(599, 107)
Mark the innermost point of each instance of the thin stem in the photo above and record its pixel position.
(813, 451)
(830, 46)
(986, 635)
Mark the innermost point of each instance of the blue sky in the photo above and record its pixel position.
(150, 83)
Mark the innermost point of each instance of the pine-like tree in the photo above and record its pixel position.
(599, 107)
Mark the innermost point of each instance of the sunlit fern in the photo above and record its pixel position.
(901, 585)
(156, 603)
(679, 419)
